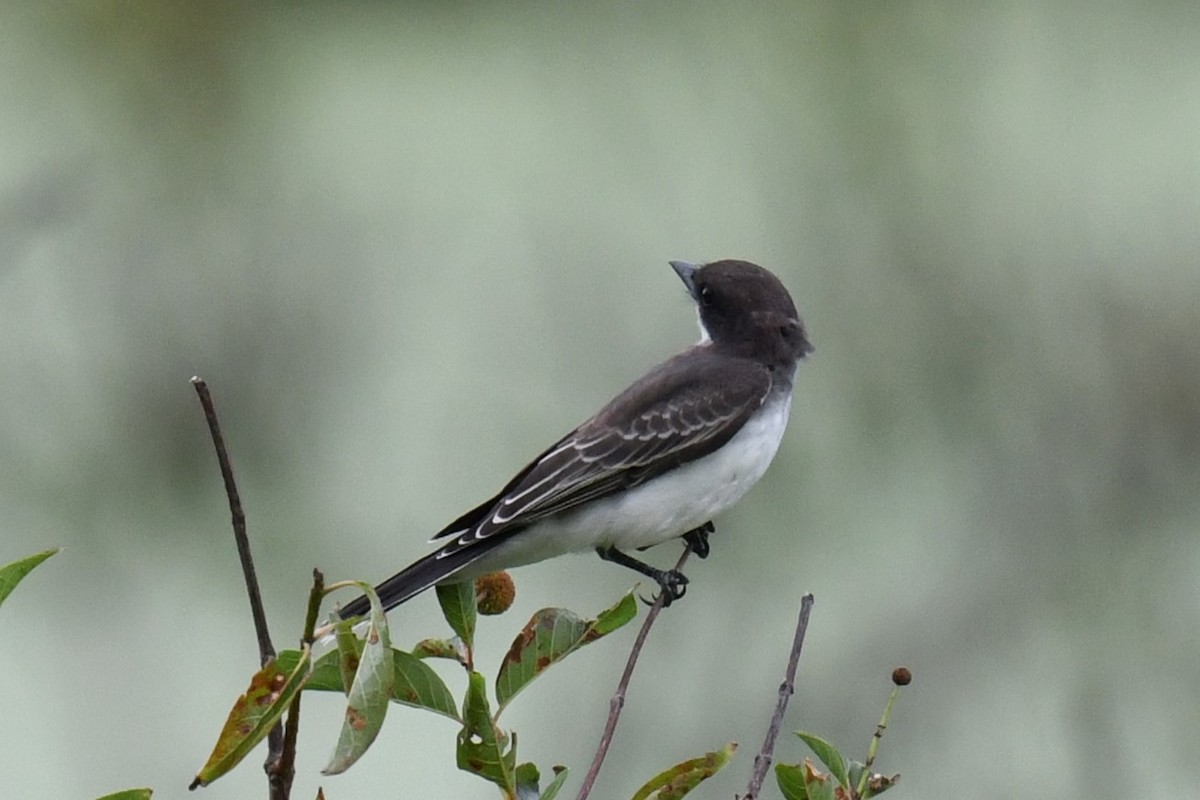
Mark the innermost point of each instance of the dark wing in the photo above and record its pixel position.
(680, 411)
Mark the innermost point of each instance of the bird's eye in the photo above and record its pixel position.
(706, 296)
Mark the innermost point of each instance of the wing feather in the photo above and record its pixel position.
(681, 411)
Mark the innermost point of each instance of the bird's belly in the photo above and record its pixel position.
(665, 507)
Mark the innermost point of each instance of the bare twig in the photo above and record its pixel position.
(762, 761)
(266, 651)
(284, 769)
(618, 699)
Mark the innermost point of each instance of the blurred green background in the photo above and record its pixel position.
(363, 222)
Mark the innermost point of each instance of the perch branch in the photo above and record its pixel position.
(266, 651)
(284, 770)
(618, 699)
(762, 761)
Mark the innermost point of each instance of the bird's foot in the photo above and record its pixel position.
(672, 585)
(697, 539)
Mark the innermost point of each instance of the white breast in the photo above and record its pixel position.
(666, 507)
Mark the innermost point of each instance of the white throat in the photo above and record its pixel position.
(704, 337)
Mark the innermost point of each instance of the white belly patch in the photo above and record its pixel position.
(666, 507)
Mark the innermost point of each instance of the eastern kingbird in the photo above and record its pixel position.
(681, 444)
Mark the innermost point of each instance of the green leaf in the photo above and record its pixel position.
(349, 653)
(680, 779)
(419, 686)
(253, 715)
(817, 785)
(481, 746)
(367, 700)
(129, 794)
(416, 684)
(527, 778)
(11, 574)
(453, 649)
(828, 755)
(805, 782)
(458, 606)
(822, 789)
(325, 675)
(552, 789)
(790, 778)
(614, 617)
(551, 635)
(855, 772)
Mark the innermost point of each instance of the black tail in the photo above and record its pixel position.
(420, 575)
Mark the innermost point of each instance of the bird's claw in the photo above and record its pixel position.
(672, 584)
(697, 539)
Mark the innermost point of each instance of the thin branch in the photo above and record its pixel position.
(901, 676)
(762, 761)
(266, 651)
(618, 699)
(281, 773)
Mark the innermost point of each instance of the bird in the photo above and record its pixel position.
(657, 462)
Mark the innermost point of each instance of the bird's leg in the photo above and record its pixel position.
(672, 582)
(697, 539)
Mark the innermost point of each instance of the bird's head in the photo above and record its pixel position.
(746, 310)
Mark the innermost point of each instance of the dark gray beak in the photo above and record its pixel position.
(685, 271)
